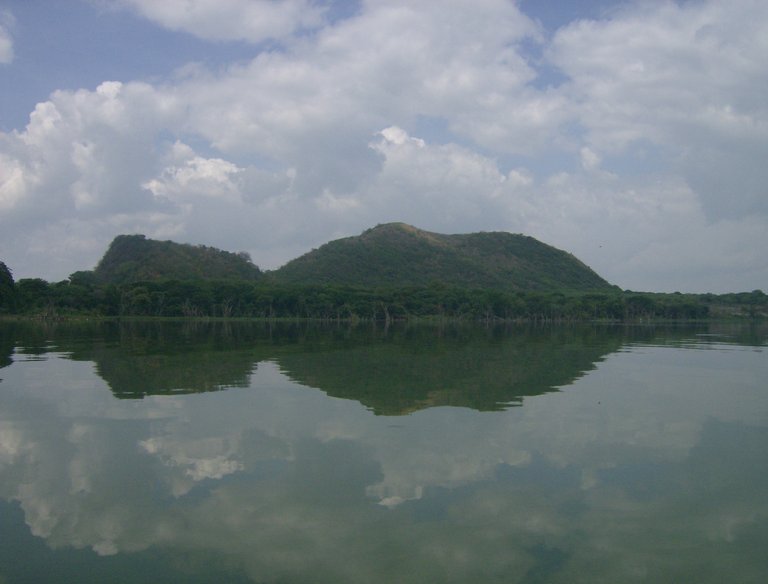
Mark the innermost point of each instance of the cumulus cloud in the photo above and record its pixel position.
(439, 187)
(80, 163)
(83, 150)
(227, 20)
(685, 76)
(319, 102)
(194, 176)
(589, 160)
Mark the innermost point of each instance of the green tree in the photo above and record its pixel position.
(7, 289)
(33, 294)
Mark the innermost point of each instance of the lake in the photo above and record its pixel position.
(249, 452)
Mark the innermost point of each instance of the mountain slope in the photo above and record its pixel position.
(396, 254)
(132, 258)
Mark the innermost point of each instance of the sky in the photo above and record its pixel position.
(631, 134)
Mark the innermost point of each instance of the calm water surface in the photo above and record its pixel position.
(213, 452)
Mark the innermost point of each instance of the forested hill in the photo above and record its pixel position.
(133, 258)
(398, 255)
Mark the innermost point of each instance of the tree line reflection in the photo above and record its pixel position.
(392, 370)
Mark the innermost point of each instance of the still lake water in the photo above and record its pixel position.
(215, 452)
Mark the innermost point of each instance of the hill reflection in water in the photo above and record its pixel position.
(662, 442)
(391, 370)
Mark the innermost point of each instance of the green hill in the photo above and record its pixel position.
(396, 254)
(390, 255)
(133, 258)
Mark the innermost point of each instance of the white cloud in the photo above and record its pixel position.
(194, 176)
(653, 141)
(589, 159)
(398, 137)
(12, 182)
(686, 77)
(74, 174)
(392, 62)
(228, 20)
(207, 458)
(7, 22)
(439, 187)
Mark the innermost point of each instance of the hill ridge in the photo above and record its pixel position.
(388, 255)
(399, 254)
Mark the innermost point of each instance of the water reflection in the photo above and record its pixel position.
(392, 371)
(650, 467)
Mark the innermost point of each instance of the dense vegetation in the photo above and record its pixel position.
(397, 255)
(134, 258)
(266, 300)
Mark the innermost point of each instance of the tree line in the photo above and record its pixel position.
(81, 294)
